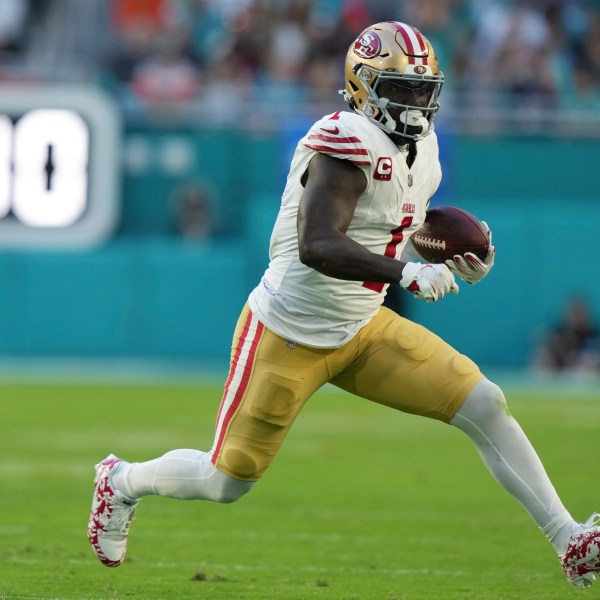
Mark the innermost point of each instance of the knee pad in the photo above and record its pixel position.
(240, 463)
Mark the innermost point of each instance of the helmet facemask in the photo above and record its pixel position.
(400, 104)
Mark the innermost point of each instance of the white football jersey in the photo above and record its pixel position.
(307, 307)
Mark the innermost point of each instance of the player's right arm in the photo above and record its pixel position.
(331, 192)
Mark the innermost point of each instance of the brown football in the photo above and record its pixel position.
(447, 231)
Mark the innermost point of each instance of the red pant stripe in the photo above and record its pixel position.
(239, 377)
(234, 362)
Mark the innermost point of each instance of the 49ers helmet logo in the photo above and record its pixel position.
(368, 45)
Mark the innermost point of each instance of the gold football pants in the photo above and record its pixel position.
(391, 361)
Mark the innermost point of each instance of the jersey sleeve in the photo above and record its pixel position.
(336, 138)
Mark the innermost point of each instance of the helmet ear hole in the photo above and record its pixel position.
(353, 86)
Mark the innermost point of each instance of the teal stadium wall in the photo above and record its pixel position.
(541, 198)
(149, 293)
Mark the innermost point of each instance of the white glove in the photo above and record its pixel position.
(428, 282)
(471, 268)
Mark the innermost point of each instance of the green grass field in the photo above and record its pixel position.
(362, 503)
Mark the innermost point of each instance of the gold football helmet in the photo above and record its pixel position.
(394, 80)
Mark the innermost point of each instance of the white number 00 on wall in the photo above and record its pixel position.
(44, 167)
(59, 167)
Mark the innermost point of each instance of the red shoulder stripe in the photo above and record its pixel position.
(321, 148)
(331, 138)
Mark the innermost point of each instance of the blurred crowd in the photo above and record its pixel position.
(572, 344)
(221, 56)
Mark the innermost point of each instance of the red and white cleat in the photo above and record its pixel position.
(581, 561)
(111, 515)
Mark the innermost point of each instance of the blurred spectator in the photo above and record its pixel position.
(289, 45)
(524, 63)
(573, 344)
(209, 39)
(127, 14)
(168, 76)
(192, 205)
(132, 45)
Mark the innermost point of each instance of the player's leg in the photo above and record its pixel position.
(514, 464)
(184, 473)
(268, 383)
(190, 474)
(407, 367)
(512, 461)
(119, 485)
(426, 376)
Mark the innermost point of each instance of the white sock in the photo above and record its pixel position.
(512, 461)
(184, 474)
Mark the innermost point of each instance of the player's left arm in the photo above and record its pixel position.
(471, 268)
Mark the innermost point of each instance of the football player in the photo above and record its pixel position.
(358, 188)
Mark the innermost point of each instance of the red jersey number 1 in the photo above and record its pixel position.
(390, 250)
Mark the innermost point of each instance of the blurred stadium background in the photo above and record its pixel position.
(145, 143)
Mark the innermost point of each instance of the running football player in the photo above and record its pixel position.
(358, 187)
